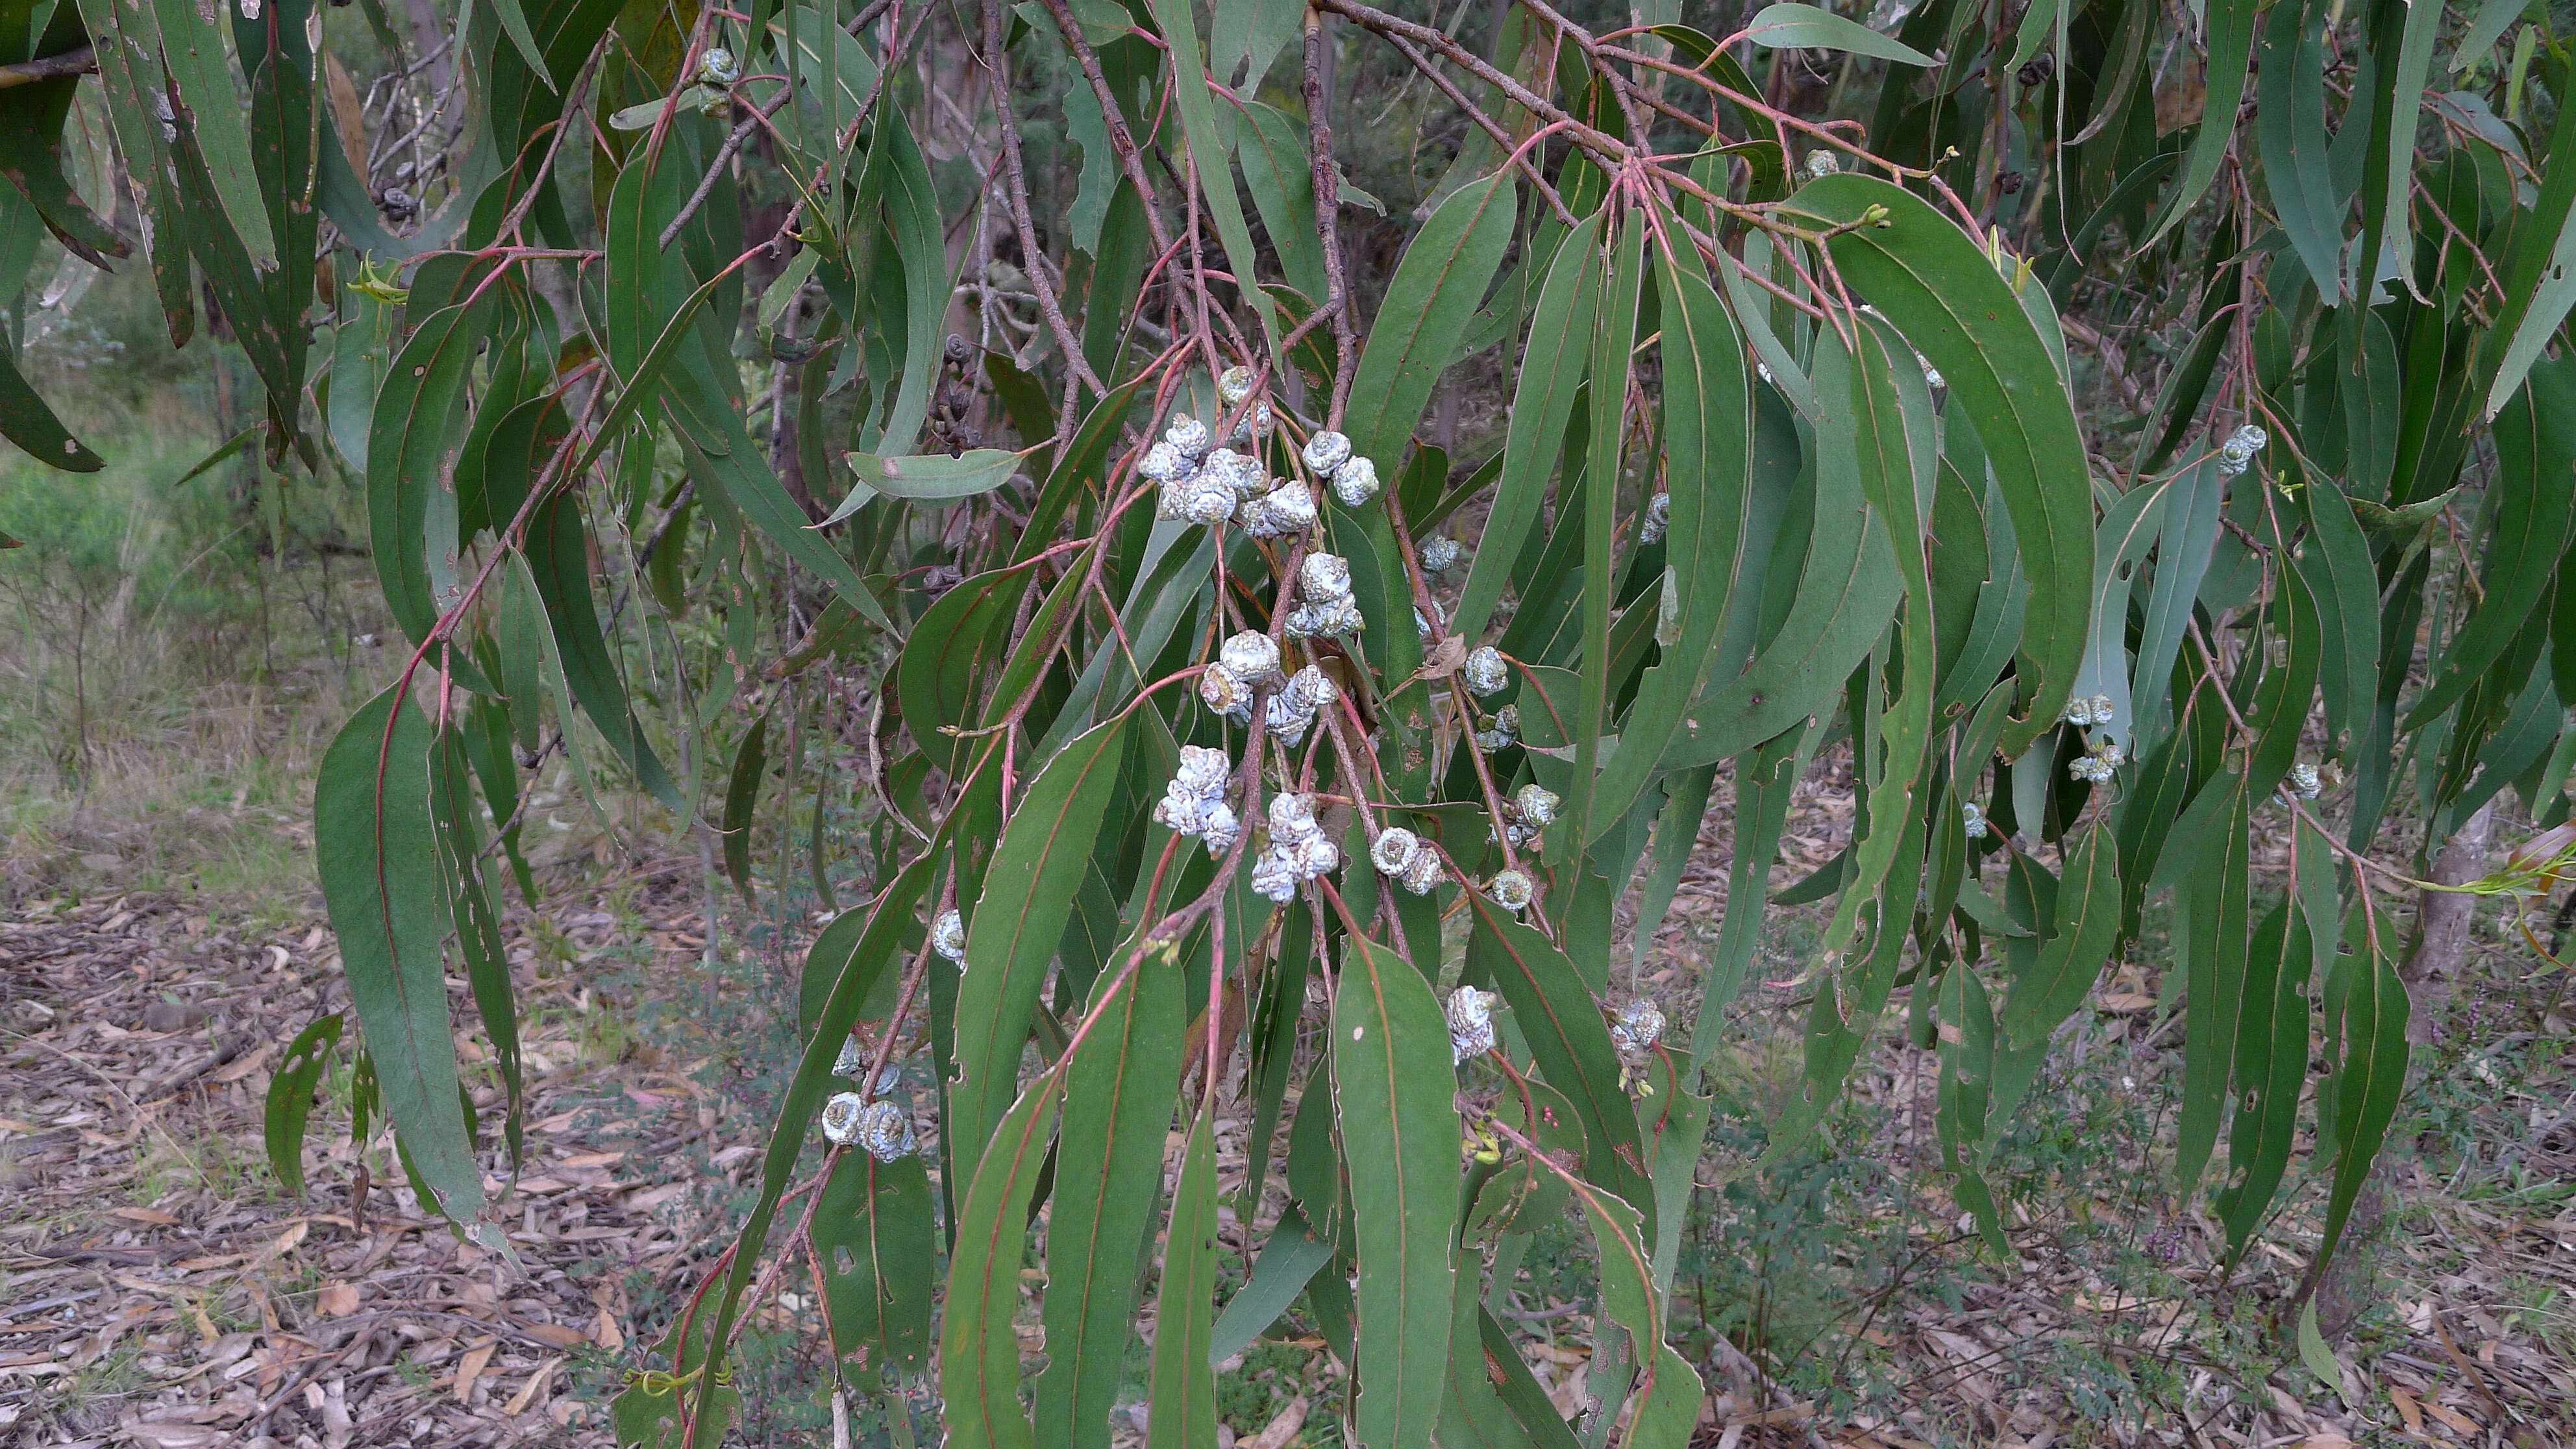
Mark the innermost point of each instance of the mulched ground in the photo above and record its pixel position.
(157, 1288)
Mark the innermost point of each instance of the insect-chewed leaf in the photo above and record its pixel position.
(1668, 1396)
(290, 1098)
(372, 841)
(1394, 1094)
(878, 1248)
(932, 478)
(1946, 297)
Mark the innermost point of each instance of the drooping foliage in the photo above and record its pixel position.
(1237, 740)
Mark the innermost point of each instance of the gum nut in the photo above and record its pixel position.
(1326, 450)
(1252, 655)
(1316, 856)
(1313, 687)
(1254, 425)
(1304, 622)
(1822, 163)
(1486, 672)
(1188, 436)
(1424, 874)
(1292, 816)
(717, 67)
(851, 1062)
(1472, 1042)
(1395, 849)
(1441, 554)
(1511, 890)
(1242, 473)
(2101, 709)
(885, 1130)
(1342, 616)
(1355, 482)
(1639, 1026)
(1536, 804)
(1274, 878)
(1183, 812)
(1234, 385)
(1253, 516)
(1164, 464)
(1324, 576)
(2249, 439)
(1291, 506)
(1203, 770)
(948, 936)
(1219, 827)
(1206, 499)
(1222, 692)
(841, 1118)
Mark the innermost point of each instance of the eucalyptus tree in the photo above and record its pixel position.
(1003, 396)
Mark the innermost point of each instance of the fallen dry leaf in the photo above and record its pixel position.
(337, 1300)
(1282, 1428)
(152, 1217)
(528, 1391)
(470, 1368)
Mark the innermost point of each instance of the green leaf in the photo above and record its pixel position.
(2271, 1063)
(192, 48)
(1790, 26)
(1211, 151)
(290, 1098)
(1765, 779)
(1668, 1397)
(1183, 1391)
(2534, 508)
(2539, 272)
(2366, 1087)
(1938, 288)
(2210, 909)
(2344, 581)
(1429, 302)
(456, 819)
(2290, 126)
(931, 478)
(412, 440)
(2231, 46)
(1026, 896)
(2080, 937)
(1394, 1098)
(1614, 344)
(1542, 404)
(1118, 1105)
(2314, 1353)
(373, 844)
(1290, 1257)
(1282, 180)
(1554, 1010)
(874, 1237)
(979, 1355)
(742, 802)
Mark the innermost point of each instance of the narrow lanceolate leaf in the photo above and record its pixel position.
(411, 446)
(1939, 289)
(1542, 402)
(456, 822)
(2539, 272)
(933, 478)
(1394, 1096)
(1118, 1104)
(1557, 1016)
(290, 1099)
(2231, 45)
(192, 48)
(2290, 126)
(1183, 1392)
(379, 863)
(2366, 1086)
(1212, 154)
(1790, 26)
(1847, 590)
(742, 802)
(2344, 581)
(2271, 1062)
(979, 1356)
(874, 1235)
(1708, 476)
(2080, 937)
(1429, 303)
(2211, 903)
(1612, 343)
(2534, 507)
(1025, 897)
